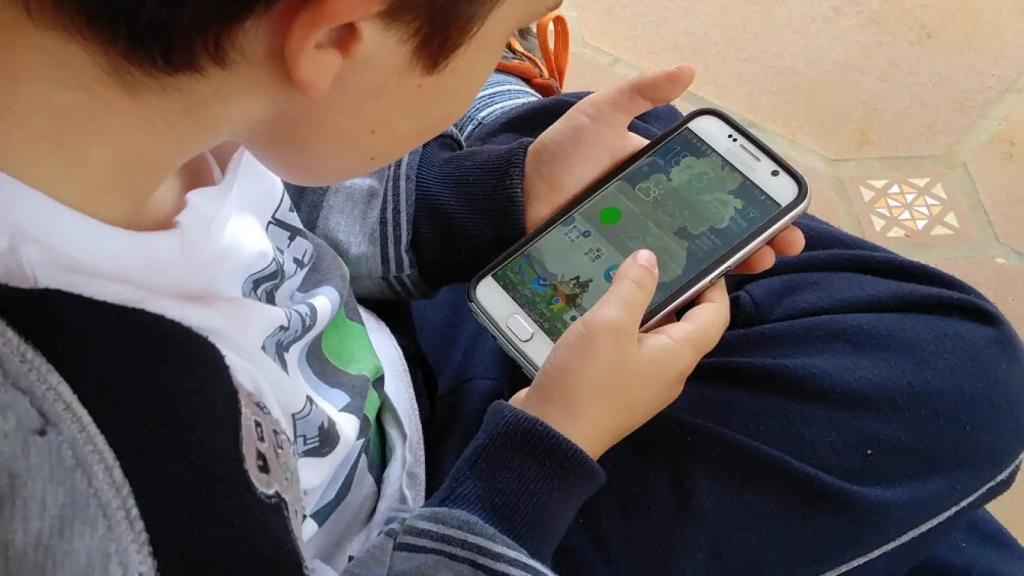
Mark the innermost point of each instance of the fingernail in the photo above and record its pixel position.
(648, 259)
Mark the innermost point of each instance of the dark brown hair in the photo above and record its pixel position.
(168, 37)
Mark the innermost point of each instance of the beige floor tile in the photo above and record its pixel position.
(998, 171)
(824, 202)
(1009, 509)
(588, 72)
(826, 189)
(851, 79)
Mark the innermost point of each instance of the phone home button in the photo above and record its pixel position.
(519, 328)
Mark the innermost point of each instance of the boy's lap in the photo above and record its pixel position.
(856, 397)
(848, 348)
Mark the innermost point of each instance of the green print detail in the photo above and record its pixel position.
(372, 405)
(347, 345)
(375, 448)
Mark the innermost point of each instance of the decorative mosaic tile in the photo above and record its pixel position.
(909, 207)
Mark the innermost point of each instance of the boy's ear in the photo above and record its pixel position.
(320, 37)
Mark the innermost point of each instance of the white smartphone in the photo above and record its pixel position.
(703, 197)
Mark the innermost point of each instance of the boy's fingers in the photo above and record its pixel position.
(685, 342)
(789, 242)
(758, 262)
(631, 291)
(519, 397)
(632, 98)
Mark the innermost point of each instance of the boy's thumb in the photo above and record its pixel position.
(632, 287)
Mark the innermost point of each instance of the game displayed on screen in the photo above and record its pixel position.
(685, 202)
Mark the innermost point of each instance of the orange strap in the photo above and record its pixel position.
(548, 76)
(556, 58)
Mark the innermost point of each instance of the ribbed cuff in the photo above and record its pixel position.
(522, 478)
(468, 208)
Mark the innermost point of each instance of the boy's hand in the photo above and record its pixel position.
(593, 137)
(604, 379)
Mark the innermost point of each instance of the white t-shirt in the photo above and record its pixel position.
(239, 268)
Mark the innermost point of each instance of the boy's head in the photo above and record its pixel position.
(320, 90)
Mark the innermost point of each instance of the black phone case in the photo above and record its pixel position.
(802, 195)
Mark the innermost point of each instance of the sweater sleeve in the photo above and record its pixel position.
(507, 503)
(469, 195)
(435, 217)
(440, 214)
(469, 207)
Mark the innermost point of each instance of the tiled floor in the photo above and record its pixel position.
(906, 116)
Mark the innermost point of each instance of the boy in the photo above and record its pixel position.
(273, 408)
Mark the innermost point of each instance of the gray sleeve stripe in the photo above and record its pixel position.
(406, 286)
(395, 286)
(498, 557)
(369, 222)
(386, 227)
(396, 221)
(529, 563)
(412, 544)
(397, 260)
(393, 210)
(487, 113)
(403, 207)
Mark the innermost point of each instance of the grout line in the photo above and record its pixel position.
(982, 210)
(991, 121)
(692, 100)
(983, 131)
(979, 135)
(837, 169)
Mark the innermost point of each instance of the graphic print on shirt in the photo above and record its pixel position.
(315, 433)
(269, 457)
(338, 363)
(293, 255)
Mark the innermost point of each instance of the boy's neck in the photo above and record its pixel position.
(116, 149)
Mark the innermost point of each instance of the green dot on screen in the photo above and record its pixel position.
(610, 215)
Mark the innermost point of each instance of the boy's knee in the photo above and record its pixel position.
(920, 360)
(985, 400)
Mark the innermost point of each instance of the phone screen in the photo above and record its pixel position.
(684, 201)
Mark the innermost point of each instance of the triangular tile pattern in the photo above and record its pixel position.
(907, 207)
